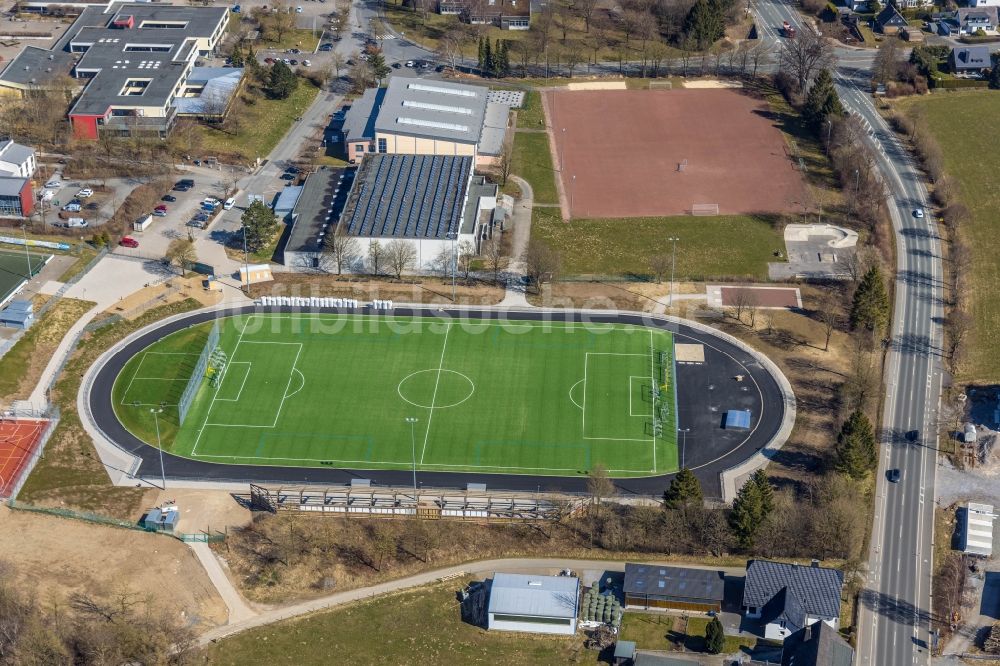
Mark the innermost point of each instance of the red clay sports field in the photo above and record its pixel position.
(19, 442)
(652, 153)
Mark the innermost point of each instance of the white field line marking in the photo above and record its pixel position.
(583, 410)
(246, 375)
(630, 410)
(134, 375)
(208, 414)
(472, 323)
(430, 416)
(302, 386)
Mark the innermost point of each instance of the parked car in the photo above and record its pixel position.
(85, 193)
(919, 212)
(229, 203)
(169, 198)
(200, 217)
(162, 207)
(298, 10)
(293, 61)
(196, 224)
(395, 65)
(54, 182)
(159, 213)
(287, 176)
(72, 208)
(287, 61)
(326, 47)
(306, 63)
(409, 63)
(76, 222)
(128, 241)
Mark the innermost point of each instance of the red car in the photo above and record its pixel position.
(161, 207)
(128, 241)
(269, 61)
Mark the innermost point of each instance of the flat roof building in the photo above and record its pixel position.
(977, 529)
(133, 61)
(536, 604)
(431, 201)
(652, 586)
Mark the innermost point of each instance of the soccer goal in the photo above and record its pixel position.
(184, 404)
(705, 209)
(661, 85)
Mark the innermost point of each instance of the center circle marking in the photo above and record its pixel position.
(450, 373)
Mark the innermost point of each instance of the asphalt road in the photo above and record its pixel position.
(709, 449)
(894, 621)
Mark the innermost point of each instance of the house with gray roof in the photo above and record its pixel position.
(536, 604)
(17, 160)
(969, 60)
(972, 19)
(816, 645)
(132, 63)
(788, 597)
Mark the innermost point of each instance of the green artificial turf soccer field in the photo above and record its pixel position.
(14, 269)
(501, 397)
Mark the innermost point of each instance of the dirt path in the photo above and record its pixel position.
(588, 571)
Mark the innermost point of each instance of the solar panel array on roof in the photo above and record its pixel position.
(408, 196)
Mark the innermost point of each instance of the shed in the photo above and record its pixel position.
(655, 587)
(535, 604)
(624, 653)
(977, 529)
(255, 273)
(737, 419)
(161, 519)
(19, 314)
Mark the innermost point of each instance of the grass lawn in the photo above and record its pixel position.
(426, 30)
(723, 247)
(301, 38)
(531, 115)
(972, 159)
(533, 162)
(422, 627)
(653, 631)
(263, 125)
(14, 268)
(516, 398)
(85, 256)
(696, 637)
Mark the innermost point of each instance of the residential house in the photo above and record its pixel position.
(506, 14)
(982, 3)
(789, 597)
(856, 5)
(816, 645)
(889, 21)
(969, 59)
(972, 19)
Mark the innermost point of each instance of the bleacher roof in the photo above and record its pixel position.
(408, 196)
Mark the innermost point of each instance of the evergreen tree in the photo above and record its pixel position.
(505, 60)
(822, 101)
(482, 54)
(705, 23)
(379, 68)
(684, 491)
(715, 637)
(753, 504)
(259, 226)
(857, 451)
(236, 57)
(487, 67)
(870, 309)
(282, 82)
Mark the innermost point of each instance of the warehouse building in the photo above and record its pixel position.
(655, 587)
(435, 203)
(536, 604)
(977, 529)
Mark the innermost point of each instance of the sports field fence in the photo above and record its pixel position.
(191, 390)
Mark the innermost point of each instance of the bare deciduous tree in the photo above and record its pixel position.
(495, 255)
(805, 55)
(376, 257)
(344, 248)
(540, 261)
(400, 256)
(659, 264)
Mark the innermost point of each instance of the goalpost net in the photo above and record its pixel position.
(200, 368)
(662, 85)
(704, 209)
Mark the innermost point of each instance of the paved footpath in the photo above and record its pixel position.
(588, 571)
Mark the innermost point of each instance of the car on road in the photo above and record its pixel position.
(128, 241)
(76, 223)
(72, 208)
(298, 10)
(169, 198)
(894, 475)
(918, 212)
(395, 65)
(159, 213)
(85, 193)
(410, 63)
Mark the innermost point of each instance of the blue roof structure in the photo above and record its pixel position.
(738, 418)
(287, 200)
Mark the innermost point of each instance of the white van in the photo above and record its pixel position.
(230, 202)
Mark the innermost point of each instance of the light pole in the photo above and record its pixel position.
(453, 235)
(673, 263)
(156, 420)
(572, 188)
(829, 131)
(857, 183)
(246, 260)
(684, 442)
(413, 452)
(562, 149)
(27, 255)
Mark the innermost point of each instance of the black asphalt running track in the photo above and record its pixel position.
(705, 392)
